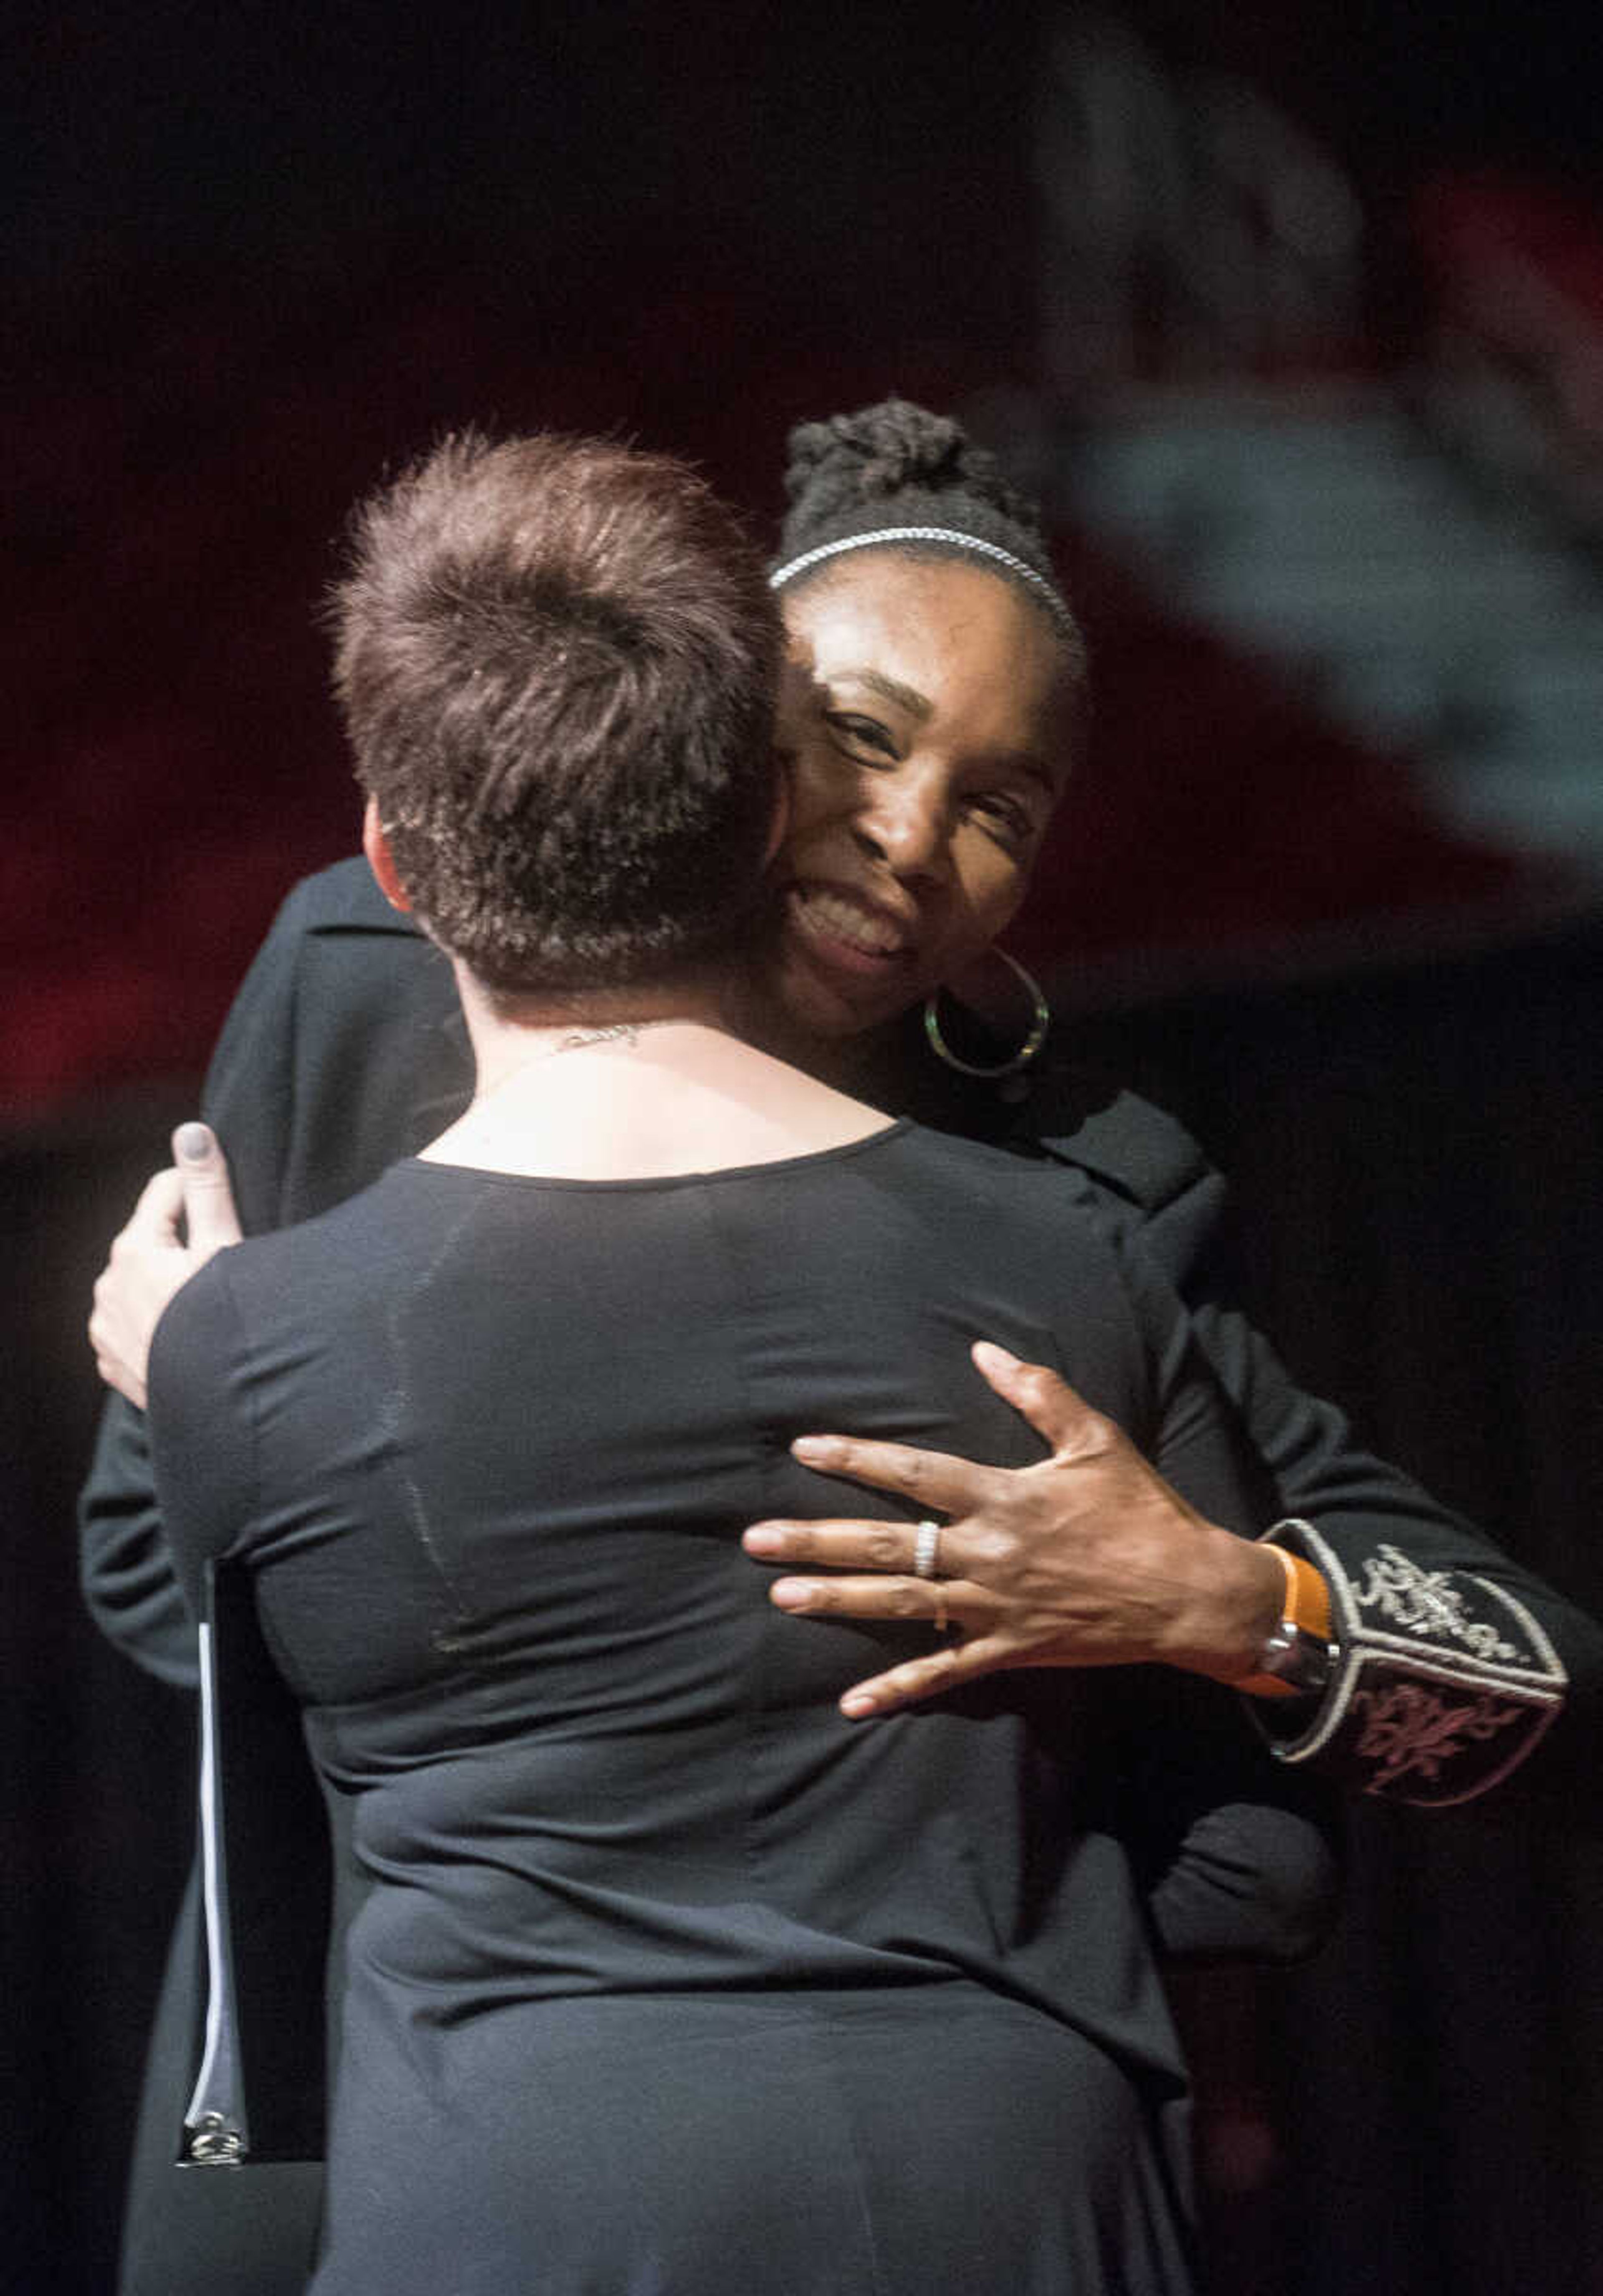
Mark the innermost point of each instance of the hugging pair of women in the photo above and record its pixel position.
(702, 1927)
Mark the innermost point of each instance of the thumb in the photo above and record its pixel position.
(1049, 1403)
(209, 1209)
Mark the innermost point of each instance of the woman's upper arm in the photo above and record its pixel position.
(201, 1451)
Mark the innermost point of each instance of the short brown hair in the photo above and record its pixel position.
(556, 662)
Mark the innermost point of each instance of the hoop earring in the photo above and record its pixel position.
(1041, 1020)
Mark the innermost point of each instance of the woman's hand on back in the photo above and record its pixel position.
(1087, 1558)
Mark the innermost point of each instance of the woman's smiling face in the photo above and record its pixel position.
(927, 713)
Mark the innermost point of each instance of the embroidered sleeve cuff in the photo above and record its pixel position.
(1443, 1682)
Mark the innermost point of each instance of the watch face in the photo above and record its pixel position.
(1293, 1657)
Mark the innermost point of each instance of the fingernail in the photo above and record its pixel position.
(193, 1142)
(790, 1593)
(857, 1703)
(811, 1446)
(763, 1539)
(989, 1356)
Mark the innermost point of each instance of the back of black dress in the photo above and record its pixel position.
(666, 1977)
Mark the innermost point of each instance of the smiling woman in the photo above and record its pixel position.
(934, 692)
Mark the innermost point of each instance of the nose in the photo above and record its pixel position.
(905, 822)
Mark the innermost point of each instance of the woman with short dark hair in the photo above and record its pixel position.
(531, 634)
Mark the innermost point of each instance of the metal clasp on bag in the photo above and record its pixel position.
(214, 2142)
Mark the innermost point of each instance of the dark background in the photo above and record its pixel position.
(257, 256)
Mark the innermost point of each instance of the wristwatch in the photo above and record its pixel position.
(1296, 1657)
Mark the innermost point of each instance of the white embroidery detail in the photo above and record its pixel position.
(1408, 1728)
(1426, 1603)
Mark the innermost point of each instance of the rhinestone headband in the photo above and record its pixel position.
(946, 534)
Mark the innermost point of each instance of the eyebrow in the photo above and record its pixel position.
(905, 697)
(919, 705)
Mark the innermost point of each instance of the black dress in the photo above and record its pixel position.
(664, 1977)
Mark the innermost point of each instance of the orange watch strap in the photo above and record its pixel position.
(1307, 1609)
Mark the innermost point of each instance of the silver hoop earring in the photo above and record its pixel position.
(1041, 1020)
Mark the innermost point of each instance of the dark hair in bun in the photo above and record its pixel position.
(899, 465)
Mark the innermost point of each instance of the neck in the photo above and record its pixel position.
(575, 1087)
(507, 1037)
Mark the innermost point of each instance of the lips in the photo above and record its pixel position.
(842, 926)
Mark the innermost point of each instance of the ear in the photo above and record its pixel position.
(381, 860)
